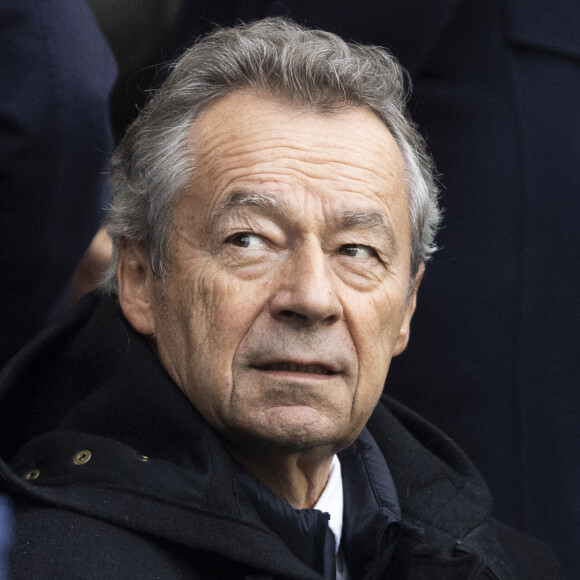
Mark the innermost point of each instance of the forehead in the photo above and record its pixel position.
(256, 143)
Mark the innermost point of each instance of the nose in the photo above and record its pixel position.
(305, 292)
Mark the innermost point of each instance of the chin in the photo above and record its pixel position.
(295, 428)
(297, 437)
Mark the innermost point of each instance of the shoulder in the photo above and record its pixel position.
(508, 553)
(447, 506)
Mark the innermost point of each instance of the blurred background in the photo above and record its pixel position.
(496, 92)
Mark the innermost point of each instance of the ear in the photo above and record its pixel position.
(135, 287)
(405, 331)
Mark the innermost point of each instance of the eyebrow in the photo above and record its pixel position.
(270, 204)
(374, 220)
(267, 202)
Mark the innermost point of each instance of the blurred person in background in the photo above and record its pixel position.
(56, 75)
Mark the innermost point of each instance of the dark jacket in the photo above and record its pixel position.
(115, 475)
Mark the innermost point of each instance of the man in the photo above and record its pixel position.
(217, 415)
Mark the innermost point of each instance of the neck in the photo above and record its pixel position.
(296, 477)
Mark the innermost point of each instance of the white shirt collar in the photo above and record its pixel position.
(331, 501)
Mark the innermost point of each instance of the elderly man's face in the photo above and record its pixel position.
(287, 291)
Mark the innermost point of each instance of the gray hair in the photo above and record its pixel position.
(307, 68)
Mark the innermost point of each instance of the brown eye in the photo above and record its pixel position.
(246, 240)
(357, 251)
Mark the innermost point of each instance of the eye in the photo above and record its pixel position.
(247, 240)
(357, 251)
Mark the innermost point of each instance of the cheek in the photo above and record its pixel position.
(219, 310)
(374, 329)
(375, 326)
(223, 311)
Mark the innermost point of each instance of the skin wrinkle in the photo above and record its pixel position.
(263, 146)
(370, 221)
(291, 295)
(270, 205)
(337, 170)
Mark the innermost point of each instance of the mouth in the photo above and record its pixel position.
(289, 367)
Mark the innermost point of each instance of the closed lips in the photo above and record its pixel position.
(297, 368)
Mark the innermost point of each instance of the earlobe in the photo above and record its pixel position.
(135, 277)
(405, 331)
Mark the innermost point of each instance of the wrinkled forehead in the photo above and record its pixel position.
(247, 112)
(248, 128)
(246, 142)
